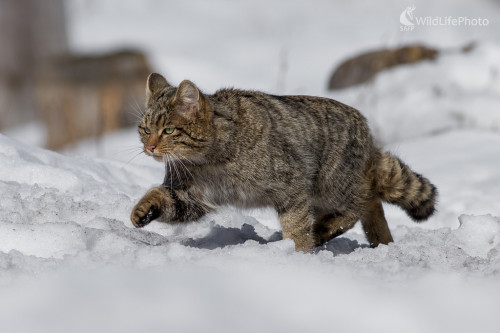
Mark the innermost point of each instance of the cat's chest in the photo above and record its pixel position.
(224, 187)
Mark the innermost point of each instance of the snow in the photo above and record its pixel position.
(438, 95)
(71, 261)
(480, 235)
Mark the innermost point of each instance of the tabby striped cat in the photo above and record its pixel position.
(313, 159)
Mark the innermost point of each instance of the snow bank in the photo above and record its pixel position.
(70, 260)
(456, 91)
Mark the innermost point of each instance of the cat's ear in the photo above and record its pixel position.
(187, 99)
(155, 83)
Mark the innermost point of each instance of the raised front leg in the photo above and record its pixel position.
(296, 223)
(157, 201)
(167, 205)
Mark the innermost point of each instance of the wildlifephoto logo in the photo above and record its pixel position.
(409, 21)
(406, 18)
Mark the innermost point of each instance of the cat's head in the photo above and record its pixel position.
(177, 121)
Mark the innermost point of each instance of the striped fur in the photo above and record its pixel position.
(397, 184)
(313, 159)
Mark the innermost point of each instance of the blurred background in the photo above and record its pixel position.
(73, 72)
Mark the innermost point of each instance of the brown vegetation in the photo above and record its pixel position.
(85, 96)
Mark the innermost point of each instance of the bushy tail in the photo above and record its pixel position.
(396, 183)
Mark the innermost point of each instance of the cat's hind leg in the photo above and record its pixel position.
(375, 225)
(329, 226)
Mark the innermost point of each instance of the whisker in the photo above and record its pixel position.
(165, 162)
(130, 148)
(126, 151)
(175, 168)
(185, 168)
(183, 165)
(139, 108)
(136, 116)
(186, 159)
(133, 157)
(170, 171)
(136, 110)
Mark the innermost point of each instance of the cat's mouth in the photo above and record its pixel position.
(163, 156)
(159, 158)
(156, 155)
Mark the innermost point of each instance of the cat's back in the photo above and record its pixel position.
(302, 115)
(297, 130)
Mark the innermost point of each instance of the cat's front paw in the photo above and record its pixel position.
(148, 209)
(142, 216)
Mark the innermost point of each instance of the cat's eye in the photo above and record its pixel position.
(169, 130)
(147, 131)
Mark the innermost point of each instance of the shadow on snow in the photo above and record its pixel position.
(220, 237)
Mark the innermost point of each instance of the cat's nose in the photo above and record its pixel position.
(150, 148)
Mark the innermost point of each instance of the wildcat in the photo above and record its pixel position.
(313, 159)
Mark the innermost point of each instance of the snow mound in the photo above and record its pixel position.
(479, 235)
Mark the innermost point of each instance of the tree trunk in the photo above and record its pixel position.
(31, 31)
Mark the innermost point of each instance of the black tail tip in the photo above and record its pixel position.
(424, 209)
(420, 214)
